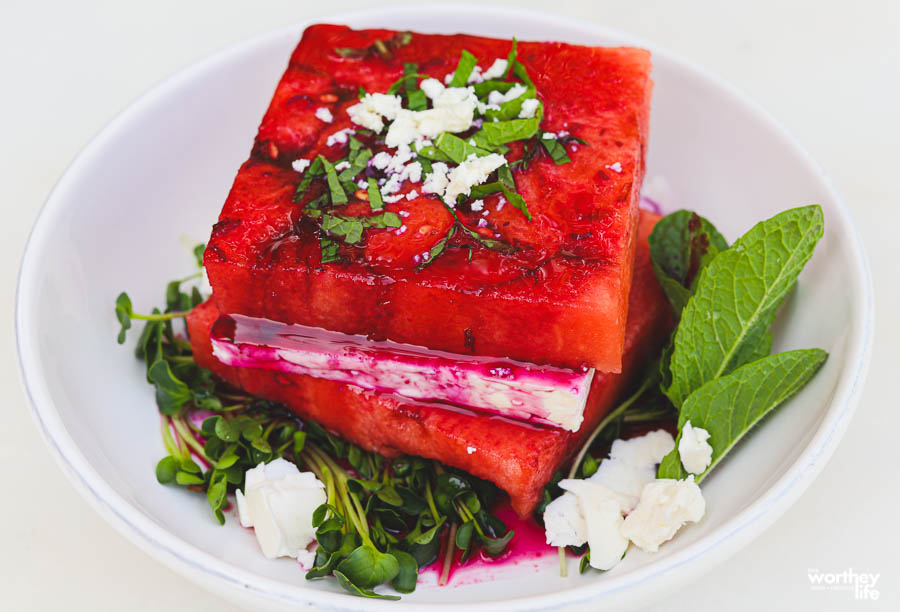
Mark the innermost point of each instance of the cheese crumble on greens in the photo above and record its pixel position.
(451, 135)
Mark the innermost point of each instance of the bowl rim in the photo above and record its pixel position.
(203, 567)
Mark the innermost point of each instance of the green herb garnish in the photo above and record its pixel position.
(717, 372)
(383, 519)
(379, 48)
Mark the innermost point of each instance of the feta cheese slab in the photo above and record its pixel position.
(278, 501)
(665, 506)
(517, 390)
(693, 448)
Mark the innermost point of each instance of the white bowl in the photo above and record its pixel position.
(121, 216)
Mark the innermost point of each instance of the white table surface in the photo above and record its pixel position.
(830, 71)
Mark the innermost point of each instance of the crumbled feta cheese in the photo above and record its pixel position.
(632, 464)
(549, 136)
(475, 76)
(381, 160)
(402, 155)
(392, 185)
(306, 559)
(616, 167)
(497, 97)
(400, 230)
(373, 109)
(470, 449)
(339, 137)
(497, 69)
(412, 195)
(473, 171)
(602, 512)
(362, 183)
(425, 256)
(501, 202)
(278, 501)
(477, 205)
(484, 108)
(453, 111)
(564, 523)
(412, 172)
(665, 506)
(432, 88)
(482, 223)
(448, 77)
(436, 181)
(529, 108)
(421, 144)
(323, 114)
(300, 164)
(341, 165)
(693, 448)
(392, 199)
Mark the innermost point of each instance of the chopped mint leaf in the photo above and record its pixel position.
(438, 248)
(379, 48)
(433, 153)
(338, 196)
(511, 109)
(467, 63)
(375, 200)
(485, 87)
(358, 163)
(496, 133)
(415, 97)
(457, 149)
(556, 150)
(315, 169)
(331, 251)
(517, 201)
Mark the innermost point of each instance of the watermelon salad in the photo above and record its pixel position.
(439, 319)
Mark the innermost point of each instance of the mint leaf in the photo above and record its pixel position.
(682, 244)
(730, 406)
(457, 149)
(338, 196)
(512, 108)
(736, 298)
(500, 132)
(485, 87)
(376, 202)
(467, 63)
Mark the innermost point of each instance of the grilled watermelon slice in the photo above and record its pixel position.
(559, 299)
(519, 458)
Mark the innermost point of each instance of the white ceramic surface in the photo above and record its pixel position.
(119, 218)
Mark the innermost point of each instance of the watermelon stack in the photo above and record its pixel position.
(577, 292)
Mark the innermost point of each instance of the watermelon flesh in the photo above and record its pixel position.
(520, 458)
(560, 299)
